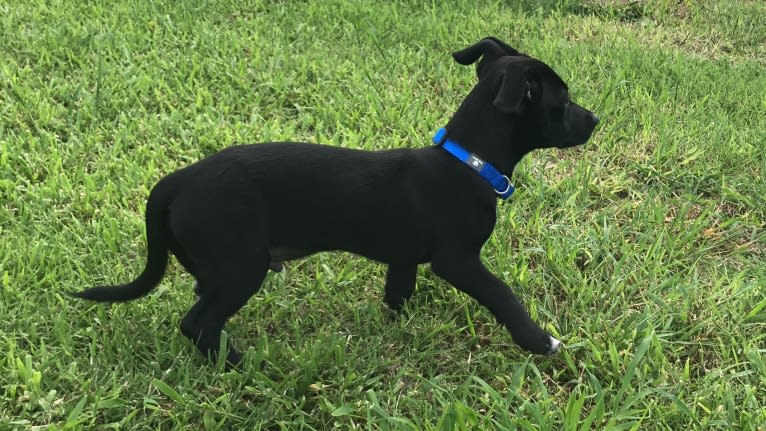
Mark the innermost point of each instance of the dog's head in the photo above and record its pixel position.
(530, 94)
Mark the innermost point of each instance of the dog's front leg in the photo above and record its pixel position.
(400, 283)
(469, 275)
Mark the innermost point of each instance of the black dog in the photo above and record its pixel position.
(232, 216)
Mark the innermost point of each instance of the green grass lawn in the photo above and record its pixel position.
(643, 251)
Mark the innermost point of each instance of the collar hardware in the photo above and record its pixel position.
(499, 182)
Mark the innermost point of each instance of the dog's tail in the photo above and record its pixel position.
(157, 234)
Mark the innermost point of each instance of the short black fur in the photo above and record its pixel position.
(232, 216)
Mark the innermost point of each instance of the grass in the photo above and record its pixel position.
(644, 251)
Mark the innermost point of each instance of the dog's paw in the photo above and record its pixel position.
(535, 340)
(233, 361)
(549, 345)
(555, 345)
(394, 303)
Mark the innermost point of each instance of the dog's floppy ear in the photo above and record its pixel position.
(509, 50)
(490, 47)
(515, 91)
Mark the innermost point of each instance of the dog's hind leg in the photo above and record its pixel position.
(468, 274)
(400, 284)
(186, 261)
(227, 252)
(224, 289)
(274, 266)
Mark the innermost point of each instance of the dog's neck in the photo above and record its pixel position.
(499, 182)
(480, 134)
(486, 132)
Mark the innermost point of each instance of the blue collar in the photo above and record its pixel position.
(495, 178)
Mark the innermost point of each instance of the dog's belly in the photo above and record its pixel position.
(282, 254)
(386, 251)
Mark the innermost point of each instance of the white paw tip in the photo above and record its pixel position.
(555, 345)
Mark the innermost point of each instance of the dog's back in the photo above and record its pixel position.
(299, 189)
